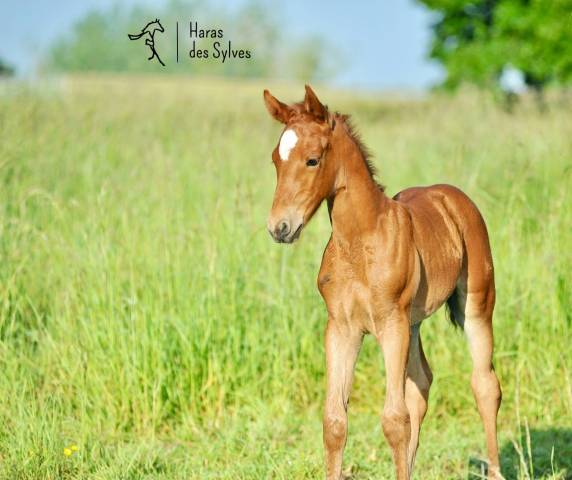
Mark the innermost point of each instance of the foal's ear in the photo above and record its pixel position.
(314, 106)
(280, 111)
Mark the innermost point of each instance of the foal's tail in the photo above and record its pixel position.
(456, 314)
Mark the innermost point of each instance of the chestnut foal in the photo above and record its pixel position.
(389, 264)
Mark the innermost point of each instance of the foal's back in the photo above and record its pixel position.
(453, 245)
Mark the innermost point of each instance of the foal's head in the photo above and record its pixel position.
(305, 174)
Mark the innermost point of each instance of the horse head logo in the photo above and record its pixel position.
(149, 32)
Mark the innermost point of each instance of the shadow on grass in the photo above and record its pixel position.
(542, 454)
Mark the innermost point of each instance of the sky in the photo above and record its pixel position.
(383, 44)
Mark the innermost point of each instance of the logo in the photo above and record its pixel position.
(148, 32)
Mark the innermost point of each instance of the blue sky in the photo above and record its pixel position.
(383, 44)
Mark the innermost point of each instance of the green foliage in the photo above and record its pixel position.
(475, 40)
(536, 36)
(94, 44)
(6, 70)
(98, 42)
(308, 59)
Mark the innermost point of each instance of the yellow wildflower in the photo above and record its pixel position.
(67, 452)
(74, 448)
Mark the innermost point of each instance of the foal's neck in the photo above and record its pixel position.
(357, 204)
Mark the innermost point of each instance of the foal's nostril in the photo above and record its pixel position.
(282, 230)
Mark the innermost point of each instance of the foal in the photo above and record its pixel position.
(389, 264)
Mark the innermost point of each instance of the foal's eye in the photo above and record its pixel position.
(312, 162)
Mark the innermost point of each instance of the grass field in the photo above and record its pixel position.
(148, 320)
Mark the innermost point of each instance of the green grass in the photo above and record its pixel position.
(147, 317)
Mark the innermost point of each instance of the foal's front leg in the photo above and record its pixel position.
(394, 340)
(342, 343)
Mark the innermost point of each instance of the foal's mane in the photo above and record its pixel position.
(346, 122)
(366, 155)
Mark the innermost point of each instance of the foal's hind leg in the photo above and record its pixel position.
(477, 307)
(417, 384)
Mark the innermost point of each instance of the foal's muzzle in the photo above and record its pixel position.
(285, 231)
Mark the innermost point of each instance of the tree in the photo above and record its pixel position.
(6, 70)
(308, 63)
(475, 40)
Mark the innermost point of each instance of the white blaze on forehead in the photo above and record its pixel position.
(287, 143)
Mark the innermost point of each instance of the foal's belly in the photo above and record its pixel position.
(439, 245)
(351, 300)
(423, 307)
(441, 264)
